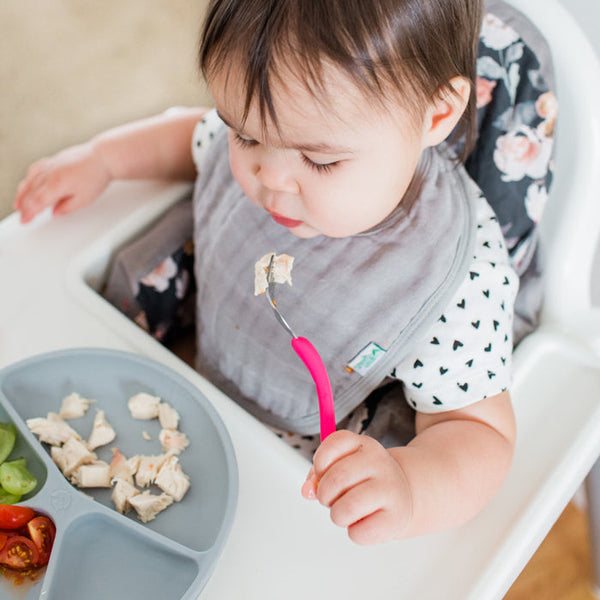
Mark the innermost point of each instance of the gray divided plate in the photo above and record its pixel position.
(98, 553)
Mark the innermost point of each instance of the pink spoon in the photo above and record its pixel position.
(310, 357)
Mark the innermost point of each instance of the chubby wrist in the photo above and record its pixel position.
(99, 148)
(407, 517)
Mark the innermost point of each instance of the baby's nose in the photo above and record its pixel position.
(276, 173)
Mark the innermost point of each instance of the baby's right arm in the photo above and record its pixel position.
(154, 148)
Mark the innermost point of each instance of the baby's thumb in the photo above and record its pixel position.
(309, 487)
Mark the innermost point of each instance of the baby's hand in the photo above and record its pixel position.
(362, 485)
(66, 181)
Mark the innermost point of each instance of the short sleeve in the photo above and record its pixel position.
(204, 133)
(466, 355)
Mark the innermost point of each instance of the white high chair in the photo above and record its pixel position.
(556, 389)
(556, 396)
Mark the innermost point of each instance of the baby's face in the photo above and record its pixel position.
(321, 172)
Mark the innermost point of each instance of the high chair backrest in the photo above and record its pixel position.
(571, 222)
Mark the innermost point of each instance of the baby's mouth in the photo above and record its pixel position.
(281, 220)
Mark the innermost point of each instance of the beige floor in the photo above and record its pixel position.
(69, 69)
(561, 569)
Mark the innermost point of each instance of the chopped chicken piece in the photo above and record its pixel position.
(143, 406)
(122, 492)
(148, 505)
(58, 456)
(96, 474)
(102, 432)
(73, 406)
(72, 455)
(81, 466)
(120, 468)
(147, 469)
(172, 480)
(168, 416)
(52, 429)
(133, 463)
(281, 272)
(173, 441)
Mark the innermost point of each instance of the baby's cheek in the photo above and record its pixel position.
(238, 168)
(241, 171)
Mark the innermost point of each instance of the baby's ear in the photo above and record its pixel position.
(445, 111)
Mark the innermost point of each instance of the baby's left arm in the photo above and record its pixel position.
(445, 475)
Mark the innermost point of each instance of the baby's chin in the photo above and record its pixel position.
(304, 231)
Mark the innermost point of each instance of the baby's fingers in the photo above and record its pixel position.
(369, 514)
(347, 473)
(33, 203)
(338, 445)
(356, 504)
(309, 487)
(21, 191)
(373, 529)
(48, 189)
(24, 189)
(68, 205)
(34, 195)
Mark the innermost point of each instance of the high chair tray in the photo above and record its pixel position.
(99, 553)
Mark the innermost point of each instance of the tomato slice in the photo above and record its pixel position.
(42, 532)
(3, 539)
(19, 552)
(11, 532)
(14, 517)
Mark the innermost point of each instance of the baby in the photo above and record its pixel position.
(328, 144)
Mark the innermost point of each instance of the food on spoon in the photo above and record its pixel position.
(167, 416)
(281, 271)
(172, 480)
(73, 406)
(148, 505)
(102, 432)
(122, 492)
(53, 429)
(15, 478)
(173, 441)
(143, 406)
(8, 436)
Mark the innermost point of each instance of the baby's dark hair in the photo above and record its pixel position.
(405, 50)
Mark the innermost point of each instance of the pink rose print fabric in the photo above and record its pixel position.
(165, 296)
(516, 114)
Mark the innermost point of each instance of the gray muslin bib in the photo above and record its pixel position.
(386, 286)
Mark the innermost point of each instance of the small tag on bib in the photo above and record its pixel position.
(365, 359)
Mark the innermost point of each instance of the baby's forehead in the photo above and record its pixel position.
(333, 100)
